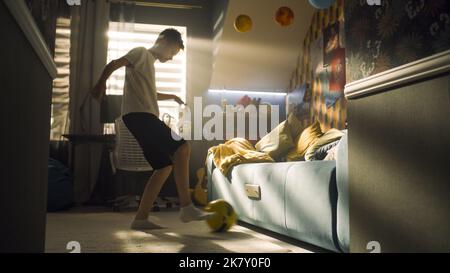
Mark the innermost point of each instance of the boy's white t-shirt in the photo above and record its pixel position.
(139, 94)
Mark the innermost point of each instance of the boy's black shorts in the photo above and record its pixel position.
(154, 137)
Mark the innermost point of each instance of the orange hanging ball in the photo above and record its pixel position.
(284, 16)
(243, 23)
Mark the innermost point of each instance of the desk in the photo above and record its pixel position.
(77, 139)
(102, 189)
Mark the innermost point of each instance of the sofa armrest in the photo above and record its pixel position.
(209, 170)
(210, 166)
(343, 222)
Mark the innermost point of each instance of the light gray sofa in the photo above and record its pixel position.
(307, 201)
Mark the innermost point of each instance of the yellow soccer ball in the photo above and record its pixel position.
(224, 216)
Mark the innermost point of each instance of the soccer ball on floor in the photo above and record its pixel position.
(224, 216)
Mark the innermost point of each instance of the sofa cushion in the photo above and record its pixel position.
(309, 205)
(271, 178)
(220, 187)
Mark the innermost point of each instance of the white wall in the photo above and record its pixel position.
(264, 58)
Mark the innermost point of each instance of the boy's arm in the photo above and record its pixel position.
(161, 96)
(99, 89)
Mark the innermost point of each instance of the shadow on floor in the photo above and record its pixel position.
(286, 239)
(203, 242)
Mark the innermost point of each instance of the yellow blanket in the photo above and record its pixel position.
(236, 151)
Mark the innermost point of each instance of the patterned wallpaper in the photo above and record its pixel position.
(319, 78)
(396, 33)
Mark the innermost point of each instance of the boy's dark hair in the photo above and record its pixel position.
(172, 36)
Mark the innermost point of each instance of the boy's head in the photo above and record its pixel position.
(169, 43)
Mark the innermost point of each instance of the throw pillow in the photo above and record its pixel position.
(331, 154)
(277, 142)
(304, 140)
(322, 152)
(295, 125)
(327, 138)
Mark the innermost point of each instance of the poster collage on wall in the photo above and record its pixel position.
(352, 40)
(320, 76)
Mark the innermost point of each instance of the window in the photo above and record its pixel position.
(170, 76)
(60, 96)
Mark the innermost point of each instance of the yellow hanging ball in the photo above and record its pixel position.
(224, 216)
(243, 23)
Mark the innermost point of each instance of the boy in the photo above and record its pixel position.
(140, 114)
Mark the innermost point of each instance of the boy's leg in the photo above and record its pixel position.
(181, 173)
(151, 191)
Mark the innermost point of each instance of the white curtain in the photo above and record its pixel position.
(123, 17)
(89, 44)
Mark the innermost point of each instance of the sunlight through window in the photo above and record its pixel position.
(170, 76)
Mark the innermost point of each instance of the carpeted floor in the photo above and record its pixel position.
(100, 230)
